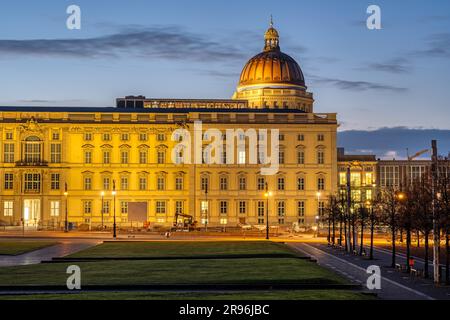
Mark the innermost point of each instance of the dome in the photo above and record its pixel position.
(272, 67)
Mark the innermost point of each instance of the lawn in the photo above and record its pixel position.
(155, 249)
(148, 272)
(19, 247)
(234, 295)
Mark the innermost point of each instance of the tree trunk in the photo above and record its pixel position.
(447, 258)
(372, 224)
(345, 235)
(333, 235)
(329, 230)
(418, 239)
(393, 238)
(425, 270)
(408, 248)
(361, 245)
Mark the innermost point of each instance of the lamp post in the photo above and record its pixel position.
(103, 209)
(114, 204)
(267, 194)
(66, 223)
(401, 198)
(318, 194)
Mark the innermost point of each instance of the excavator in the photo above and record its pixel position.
(184, 221)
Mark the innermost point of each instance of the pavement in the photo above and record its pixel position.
(62, 248)
(395, 285)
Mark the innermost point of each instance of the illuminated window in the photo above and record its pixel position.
(8, 208)
(261, 208)
(342, 178)
(355, 179)
(160, 207)
(369, 178)
(54, 208)
(223, 220)
(281, 211)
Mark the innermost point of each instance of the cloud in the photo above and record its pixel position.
(392, 142)
(395, 66)
(355, 85)
(438, 46)
(171, 43)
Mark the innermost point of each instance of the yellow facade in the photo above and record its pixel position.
(87, 149)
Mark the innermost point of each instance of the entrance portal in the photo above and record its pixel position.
(32, 211)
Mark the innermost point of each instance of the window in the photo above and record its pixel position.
(106, 183)
(179, 207)
(161, 137)
(261, 209)
(9, 136)
(87, 205)
(55, 153)
(389, 176)
(320, 137)
(124, 157)
(106, 156)
(205, 183)
(416, 172)
(241, 157)
(179, 159)
(55, 135)
(369, 178)
(223, 183)
(179, 183)
(223, 220)
(280, 184)
(161, 183)
(143, 155)
(242, 207)
(88, 136)
(9, 181)
(142, 183)
(320, 156)
(8, 152)
(54, 208)
(124, 183)
(32, 182)
(161, 157)
(54, 183)
(223, 209)
(281, 157)
(281, 137)
(106, 137)
(281, 210)
(261, 183)
(142, 136)
(88, 156)
(320, 183)
(300, 183)
(124, 137)
(300, 156)
(160, 207)
(242, 183)
(368, 194)
(321, 208)
(300, 137)
(342, 178)
(87, 183)
(300, 209)
(204, 206)
(355, 179)
(8, 208)
(32, 150)
(124, 207)
(106, 206)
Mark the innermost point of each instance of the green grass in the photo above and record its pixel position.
(208, 271)
(235, 295)
(182, 249)
(19, 247)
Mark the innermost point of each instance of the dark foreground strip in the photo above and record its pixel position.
(181, 287)
(203, 257)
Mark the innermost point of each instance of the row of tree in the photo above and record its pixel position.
(412, 208)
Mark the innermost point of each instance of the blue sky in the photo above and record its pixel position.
(397, 76)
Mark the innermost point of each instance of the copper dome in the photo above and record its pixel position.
(272, 66)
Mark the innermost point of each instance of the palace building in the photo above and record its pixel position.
(127, 149)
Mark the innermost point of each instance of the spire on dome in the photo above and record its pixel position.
(271, 37)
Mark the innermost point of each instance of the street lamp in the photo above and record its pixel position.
(267, 194)
(66, 224)
(114, 204)
(401, 198)
(318, 194)
(103, 196)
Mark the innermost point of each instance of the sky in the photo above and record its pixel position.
(376, 80)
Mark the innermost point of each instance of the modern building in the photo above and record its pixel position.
(127, 149)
